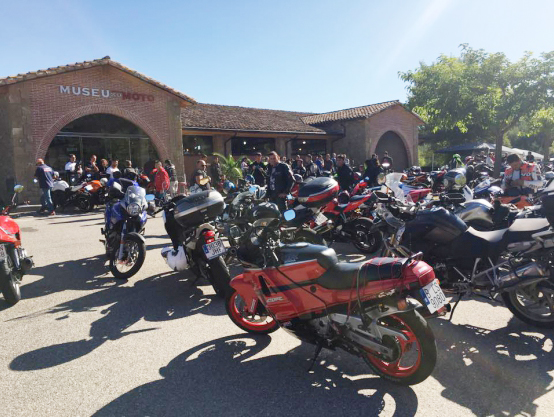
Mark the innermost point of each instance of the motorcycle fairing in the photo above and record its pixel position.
(9, 230)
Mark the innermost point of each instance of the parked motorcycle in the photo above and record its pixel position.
(14, 261)
(196, 243)
(124, 221)
(514, 263)
(361, 308)
(84, 196)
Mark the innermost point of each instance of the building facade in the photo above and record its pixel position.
(104, 108)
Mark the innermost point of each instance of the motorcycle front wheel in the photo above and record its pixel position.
(84, 203)
(9, 283)
(363, 239)
(309, 236)
(416, 357)
(134, 252)
(260, 323)
(532, 304)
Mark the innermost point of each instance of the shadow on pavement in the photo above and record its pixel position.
(497, 373)
(159, 298)
(221, 377)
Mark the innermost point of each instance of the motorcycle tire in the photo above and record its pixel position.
(219, 277)
(372, 241)
(254, 326)
(413, 324)
(138, 264)
(309, 236)
(10, 286)
(511, 301)
(84, 203)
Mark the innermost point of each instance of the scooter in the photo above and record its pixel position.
(362, 308)
(14, 261)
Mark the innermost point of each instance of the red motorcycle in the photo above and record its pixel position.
(14, 262)
(362, 308)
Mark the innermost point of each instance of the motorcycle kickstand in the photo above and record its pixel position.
(454, 308)
(316, 354)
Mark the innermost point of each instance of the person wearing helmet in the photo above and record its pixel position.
(259, 170)
(455, 162)
(468, 160)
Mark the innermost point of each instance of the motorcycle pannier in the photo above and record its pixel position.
(199, 208)
(318, 192)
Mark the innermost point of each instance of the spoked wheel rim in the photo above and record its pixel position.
(131, 253)
(410, 353)
(535, 302)
(237, 309)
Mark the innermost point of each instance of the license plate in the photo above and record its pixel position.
(320, 219)
(3, 253)
(214, 249)
(433, 296)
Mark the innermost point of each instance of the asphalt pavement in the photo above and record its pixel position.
(82, 343)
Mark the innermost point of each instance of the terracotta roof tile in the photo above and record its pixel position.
(213, 116)
(348, 114)
(89, 64)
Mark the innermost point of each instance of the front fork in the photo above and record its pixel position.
(122, 241)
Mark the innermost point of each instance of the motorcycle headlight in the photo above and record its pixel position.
(134, 209)
(460, 180)
(445, 182)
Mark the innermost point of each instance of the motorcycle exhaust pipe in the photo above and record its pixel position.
(26, 264)
(524, 275)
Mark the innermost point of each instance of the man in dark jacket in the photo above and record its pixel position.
(345, 176)
(45, 176)
(299, 169)
(280, 181)
(312, 170)
(372, 169)
(259, 170)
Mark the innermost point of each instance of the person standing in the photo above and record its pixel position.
(129, 172)
(112, 168)
(70, 168)
(103, 167)
(319, 162)
(45, 176)
(244, 166)
(312, 169)
(198, 182)
(216, 173)
(345, 175)
(530, 157)
(92, 168)
(328, 163)
(259, 170)
(372, 170)
(386, 158)
(300, 170)
(280, 181)
(172, 172)
(161, 181)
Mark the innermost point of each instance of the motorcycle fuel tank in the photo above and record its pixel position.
(437, 226)
(478, 212)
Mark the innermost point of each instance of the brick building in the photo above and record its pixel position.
(102, 107)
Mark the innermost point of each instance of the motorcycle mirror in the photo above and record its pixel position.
(253, 189)
(150, 197)
(18, 189)
(290, 197)
(289, 215)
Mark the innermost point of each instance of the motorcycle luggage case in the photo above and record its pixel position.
(198, 208)
(318, 192)
(547, 200)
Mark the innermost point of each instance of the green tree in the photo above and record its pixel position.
(480, 92)
(230, 167)
(541, 124)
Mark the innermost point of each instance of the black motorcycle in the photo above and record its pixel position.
(188, 221)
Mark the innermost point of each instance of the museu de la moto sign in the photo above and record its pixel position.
(100, 92)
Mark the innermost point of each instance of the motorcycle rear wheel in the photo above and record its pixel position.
(420, 337)
(84, 203)
(134, 243)
(219, 277)
(259, 324)
(10, 285)
(363, 239)
(524, 303)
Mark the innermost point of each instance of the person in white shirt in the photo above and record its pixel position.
(112, 168)
(70, 167)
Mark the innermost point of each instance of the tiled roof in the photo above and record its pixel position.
(89, 64)
(213, 116)
(348, 114)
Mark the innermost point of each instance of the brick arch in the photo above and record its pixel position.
(95, 109)
(408, 147)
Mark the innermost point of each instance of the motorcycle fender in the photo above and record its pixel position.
(203, 227)
(141, 237)
(246, 291)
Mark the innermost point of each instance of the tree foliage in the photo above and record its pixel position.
(479, 96)
(230, 166)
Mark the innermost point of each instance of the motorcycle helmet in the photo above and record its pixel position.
(468, 160)
(229, 187)
(56, 174)
(176, 260)
(250, 179)
(344, 197)
(264, 213)
(104, 182)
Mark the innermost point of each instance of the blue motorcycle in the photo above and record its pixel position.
(124, 223)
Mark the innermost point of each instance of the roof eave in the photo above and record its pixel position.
(283, 132)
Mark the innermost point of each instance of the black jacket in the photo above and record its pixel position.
(345, 177)
(259, 171)
(312, 170)
(279, 180)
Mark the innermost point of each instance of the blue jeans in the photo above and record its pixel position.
(46, 199)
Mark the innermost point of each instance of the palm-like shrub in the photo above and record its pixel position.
(230, 167)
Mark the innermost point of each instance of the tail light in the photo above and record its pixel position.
(209, 236)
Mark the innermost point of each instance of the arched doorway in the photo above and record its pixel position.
(105, 135)
(394, 145)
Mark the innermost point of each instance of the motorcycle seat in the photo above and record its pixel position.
(344, 275)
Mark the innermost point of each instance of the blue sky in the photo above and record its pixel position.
(313, 56)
